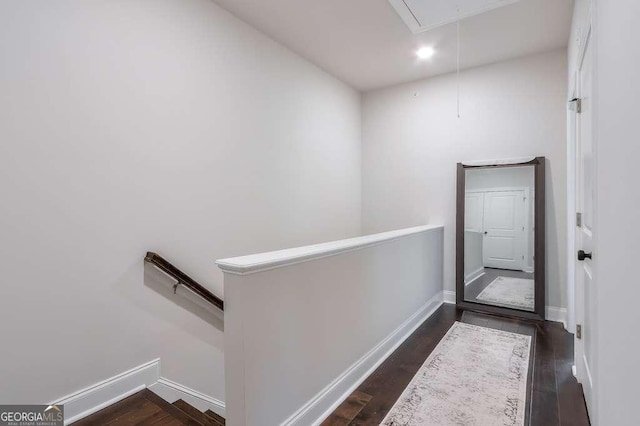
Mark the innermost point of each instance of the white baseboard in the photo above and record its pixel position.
(171, 391)
(474, 276)
(557, 314)
(85, 402)
(96, 397)
(327, 400)
(449, 296)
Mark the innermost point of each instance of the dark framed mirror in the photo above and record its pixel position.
(500, 237)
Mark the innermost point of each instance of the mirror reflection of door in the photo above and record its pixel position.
(499, 237)
(504, 229)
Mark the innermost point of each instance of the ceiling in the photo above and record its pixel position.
(366, 43)
(424, 15)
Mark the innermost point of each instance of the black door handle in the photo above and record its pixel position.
(582, 255)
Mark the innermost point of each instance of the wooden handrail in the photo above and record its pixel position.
(183, 279)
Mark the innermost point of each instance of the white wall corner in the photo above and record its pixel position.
(171, 391)
(326, 401)
(449, 297)
(89, 400)
(103, 394)
(557, 315)
(473, 276)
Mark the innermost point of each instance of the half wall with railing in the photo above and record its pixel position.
(304, 326)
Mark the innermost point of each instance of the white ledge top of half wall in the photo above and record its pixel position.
(244, 265)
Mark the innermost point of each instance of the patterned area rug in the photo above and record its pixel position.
(476, 376)
(511, 292)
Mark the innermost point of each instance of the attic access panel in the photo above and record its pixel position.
(424, 15)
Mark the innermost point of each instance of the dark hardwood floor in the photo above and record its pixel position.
(147, 408)
(554, 396)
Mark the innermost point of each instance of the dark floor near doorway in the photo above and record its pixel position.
(554, 396)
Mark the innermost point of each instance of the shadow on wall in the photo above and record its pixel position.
(162, 284)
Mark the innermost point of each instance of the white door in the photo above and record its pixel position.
(504, 229)
(585, 198)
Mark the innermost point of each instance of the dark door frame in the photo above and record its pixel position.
(539, 250)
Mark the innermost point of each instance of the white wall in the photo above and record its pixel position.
(163, 125)
(616, 251)
(473, 261)
(412, 141)
(304, 326)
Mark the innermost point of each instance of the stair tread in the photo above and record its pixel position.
(196, 414)
(114, 411)
(215, 416)
(144, 407)
(174, 411)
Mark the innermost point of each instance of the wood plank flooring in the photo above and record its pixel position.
(554, 396)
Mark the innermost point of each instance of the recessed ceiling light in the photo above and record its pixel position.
(425, 52)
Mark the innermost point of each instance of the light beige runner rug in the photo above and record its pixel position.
(476, 376)
(511, 292)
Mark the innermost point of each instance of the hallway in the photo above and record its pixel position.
(554, 397)
(297, 212)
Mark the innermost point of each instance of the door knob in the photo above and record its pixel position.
(582, 255)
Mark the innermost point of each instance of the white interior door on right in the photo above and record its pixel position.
(585, 261)
(504, 227)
